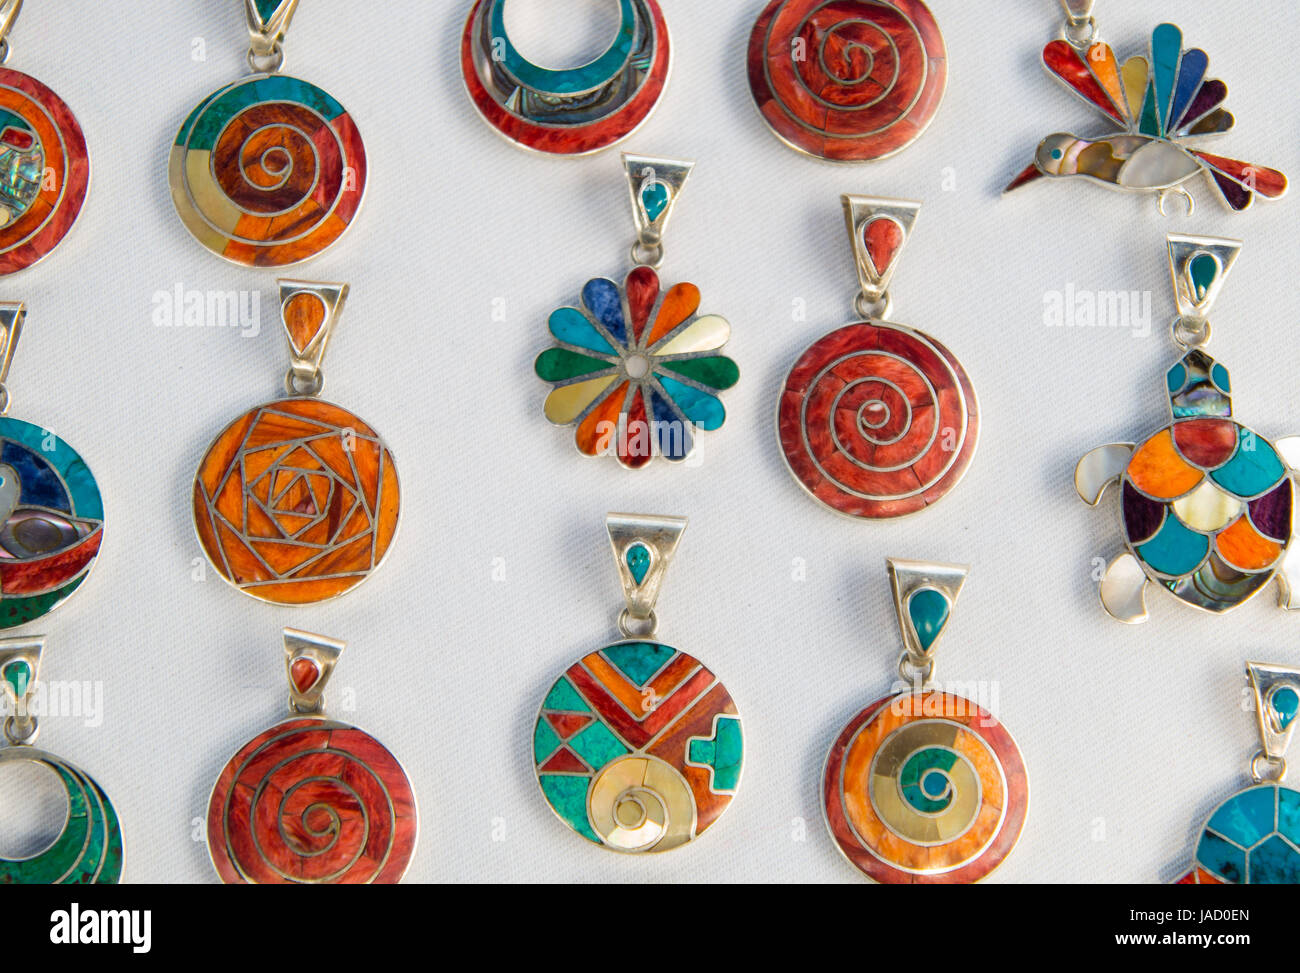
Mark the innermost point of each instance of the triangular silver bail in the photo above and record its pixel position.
(925, 594)
(1199, 265)
(268, 21)
(12, 315)
(323, 653)
(23, 653)
(643, 547)
(309, 311)
(1277, 705)
(654, 186)
(879, 229)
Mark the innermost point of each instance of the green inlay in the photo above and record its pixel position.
(597, 745)
(1202, 269)
(924, 780)
(654, 197)
(87, 851)
(209, 119)
(928, 610)
(266, 8)
(9, 120)
(18, 674)
(569, 81)
(638, 562)
(545, 741)
(565, 699)
(724, 753)
(1150, 125)
(717, 373)
(639, 660)
(568, 796)
(17, 611)
(1286, 704)
(560, 365)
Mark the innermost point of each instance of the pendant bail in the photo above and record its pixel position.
(1078, 12)
(643, 547)
(268, 22)
(654, 186)
(924, 596)
(309, 662)
(12, 315)
(1277, 704)
(309, 311)
(20, 669)
(878, 230)
(1198, 266)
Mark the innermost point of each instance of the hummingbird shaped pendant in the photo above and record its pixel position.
(1164, 104)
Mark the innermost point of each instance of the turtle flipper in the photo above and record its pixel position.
(1124, 590)
(1100, 468)
(1288, 581)
(1289, 450)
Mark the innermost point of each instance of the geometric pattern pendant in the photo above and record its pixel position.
(849, 81)
(638, 746)
(297, 500)
(270, 170)
(312, 800)
(573, 111)
(1206, 504)
(924, 786)
(877, 420)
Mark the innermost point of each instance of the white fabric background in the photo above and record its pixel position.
(501, 575)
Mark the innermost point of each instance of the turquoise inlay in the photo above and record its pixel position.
(928, 610)
(1274, 863)
(571, 326)
(545, 742)
(9, 120)
(1166, 45)
(1288, 813)
(1202, 269)
(1253, 469)
(565, 699)
(572, 80)
(266, 8)
(701, 408)
(1149, 124)
(1286, 703)
(1176, 378)
(1246, 818)
(638, 561)
(63, 459)
(639, 660)
(924, 781)
(207, 122)
(1226, 861)
(723, 753)
(1175, 549)
(597, 745)
(1221, 378)
(18, 674)
(568, 796)
(1190, 76)
(654, 197)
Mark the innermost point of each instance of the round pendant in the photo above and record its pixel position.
(573, 111)
(877, 420)
(46, 170)
(296, 501)
(89, 849)
(638, 747)
(312, 801)
(1250, 839)
(51, 521)
(268, 171)
(847, 80)
(925, 788)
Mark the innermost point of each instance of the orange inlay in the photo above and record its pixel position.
(304, 314)
(1245, 548)
(1105, 66)
(616, 684)
(599, 429)
(679, 304)
(1157, 469)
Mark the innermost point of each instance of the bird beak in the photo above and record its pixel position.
(1029, 175)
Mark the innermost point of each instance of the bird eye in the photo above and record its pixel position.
(1057, 153)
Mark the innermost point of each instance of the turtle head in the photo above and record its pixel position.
(1199, 386)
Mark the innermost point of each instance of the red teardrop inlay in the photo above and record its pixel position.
(304, 674)
(883, 238)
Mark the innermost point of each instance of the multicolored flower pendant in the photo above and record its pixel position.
(89, 849)
(51, 512)
(312, 801)
(297, 500)
(636, 369)
(1206, 503)
(574, 111)
(44, 160)
(638, 746)
(1164, 103)
(269, 170)
(924, 786)
(877, 420)
(1253, 836)
(848, 81)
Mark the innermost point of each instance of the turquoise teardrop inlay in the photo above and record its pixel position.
(928, 609)
(18, 674)
(1203, 269)
(654, 197)
(1286, 704)
(638, 562)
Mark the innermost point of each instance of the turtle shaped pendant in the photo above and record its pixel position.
(1206, 503)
